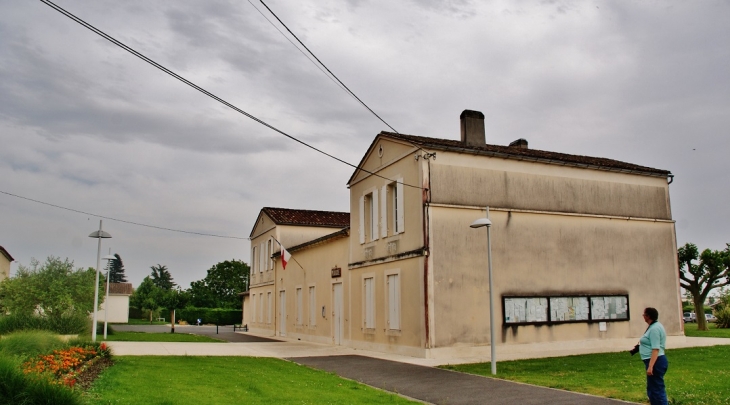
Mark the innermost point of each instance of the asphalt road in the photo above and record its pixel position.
(438, 386)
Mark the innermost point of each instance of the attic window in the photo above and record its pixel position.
(380, 151)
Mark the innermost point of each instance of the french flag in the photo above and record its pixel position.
(285, 256)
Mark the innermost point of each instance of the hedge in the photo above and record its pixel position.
(216, 316)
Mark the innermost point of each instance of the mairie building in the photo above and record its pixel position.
(579, 245)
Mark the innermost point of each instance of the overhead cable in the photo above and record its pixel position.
(328, 70)
(122, 220)
(206, 92)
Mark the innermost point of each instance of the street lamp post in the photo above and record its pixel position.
(100, 234)
(106, 298)
(481, 222)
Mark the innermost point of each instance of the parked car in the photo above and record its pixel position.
(690, 317)
(710, 318)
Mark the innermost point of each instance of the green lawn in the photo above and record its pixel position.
(143, 322)
(226, 380)
(158, 337)
(696, 376)
(690, 329)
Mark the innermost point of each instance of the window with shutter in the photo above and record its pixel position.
(369, 304)
(393, 301)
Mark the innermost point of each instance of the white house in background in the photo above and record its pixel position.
(118, 303)
(5, 260)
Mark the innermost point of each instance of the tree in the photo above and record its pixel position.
(221, 286)
(52, 289)
(699, 279)
(172, 300)
(147, 296)
(162, 278)
(116, 270)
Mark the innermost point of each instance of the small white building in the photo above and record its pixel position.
(118, 303)
(5, 260)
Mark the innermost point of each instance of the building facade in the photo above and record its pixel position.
(580, 245)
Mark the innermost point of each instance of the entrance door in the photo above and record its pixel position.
(282, 313)
(338, 324)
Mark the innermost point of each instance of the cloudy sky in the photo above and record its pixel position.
(86, 125)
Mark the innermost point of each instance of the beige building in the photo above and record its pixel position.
(5, 260)
(276, 302)
(580, 245)
(118, 303)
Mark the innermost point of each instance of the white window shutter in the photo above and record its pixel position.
(362, 219)
(401, 198)
(374, 219)
(262, 258)
(394, 301)
(384, 211)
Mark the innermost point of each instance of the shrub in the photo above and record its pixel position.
(18, 388)
(29, 343)
(65, 325)
(723, 318)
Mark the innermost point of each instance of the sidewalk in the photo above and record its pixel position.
(289, 348)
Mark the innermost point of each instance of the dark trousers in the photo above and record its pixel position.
(655, 389)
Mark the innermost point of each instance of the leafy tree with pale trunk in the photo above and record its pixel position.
(147, 296)
(712, 271)
(173, 300)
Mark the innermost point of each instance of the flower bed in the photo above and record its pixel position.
(68, 366)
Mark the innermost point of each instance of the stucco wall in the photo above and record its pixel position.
(4, 268)
(118, 309)
(539, 254)
(311, 267)
(412, 315)
(601, 193)
(407, 168)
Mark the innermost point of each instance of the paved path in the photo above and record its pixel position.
(439, 386)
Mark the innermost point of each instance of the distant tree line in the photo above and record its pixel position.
(219, 289)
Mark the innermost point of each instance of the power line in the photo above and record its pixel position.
(122, 220)
(295, 46)
(328, 70)
(204, 91)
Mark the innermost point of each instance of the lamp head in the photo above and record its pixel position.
(100, 235)
(109, 257)
(481, 222)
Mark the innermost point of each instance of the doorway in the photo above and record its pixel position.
(338, 324)
(282, 313)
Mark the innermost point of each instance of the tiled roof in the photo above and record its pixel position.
(526, 154)
(121, 288)
(286, 216)
(10, 258)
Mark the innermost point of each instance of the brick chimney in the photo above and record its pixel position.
(472, 128)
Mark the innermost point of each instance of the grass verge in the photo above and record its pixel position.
(143, 322)
(158, 337)
(690, 329)
(696, 376)
(222, 380)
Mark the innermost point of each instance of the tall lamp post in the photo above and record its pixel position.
(481, 222)
(106, 298)
(100, 234)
